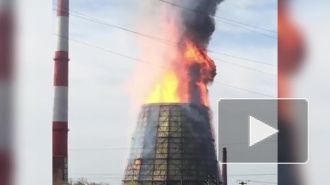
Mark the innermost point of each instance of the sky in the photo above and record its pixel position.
(101, 114)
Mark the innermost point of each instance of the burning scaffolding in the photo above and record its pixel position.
(173, 144)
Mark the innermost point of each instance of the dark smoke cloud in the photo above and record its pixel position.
(195, 21)
(198, 19)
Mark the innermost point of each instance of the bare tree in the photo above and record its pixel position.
(83, 181)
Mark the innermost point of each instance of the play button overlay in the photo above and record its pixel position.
(259, 131)
(263, 130)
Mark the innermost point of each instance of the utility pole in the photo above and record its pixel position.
(224, 166)
(241, 182)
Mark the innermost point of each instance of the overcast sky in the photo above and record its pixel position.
(101, 115)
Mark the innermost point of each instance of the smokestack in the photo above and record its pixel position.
(224, 166)
(60, 113)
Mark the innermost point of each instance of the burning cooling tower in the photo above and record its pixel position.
(173, 144)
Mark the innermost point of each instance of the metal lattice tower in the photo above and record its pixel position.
(174, 145)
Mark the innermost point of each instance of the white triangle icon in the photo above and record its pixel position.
(259, 131)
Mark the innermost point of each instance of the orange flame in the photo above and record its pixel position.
(179, 72)
(177, 85)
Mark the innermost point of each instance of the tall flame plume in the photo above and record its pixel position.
(185, 79)
(186, 69)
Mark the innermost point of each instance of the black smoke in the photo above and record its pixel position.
(198, 19)
(197, 23)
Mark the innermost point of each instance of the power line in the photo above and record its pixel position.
(241, 175)
(97, 174)
(100, 149)
(120, 177)
(139, 60)
(164, 41)
(120, 174)
(218, 17)
(127, 148)
(245, 143)
(251, 30)
(242, 89)
(224, 61)
(109, 51)
(263, 182)
(98, 178)
(227, 21)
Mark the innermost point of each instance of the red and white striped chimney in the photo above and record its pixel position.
(60, 114)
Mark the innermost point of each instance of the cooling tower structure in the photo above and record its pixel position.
(173, 144)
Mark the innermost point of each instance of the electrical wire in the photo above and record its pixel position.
(156, 38)
(262, 182)
(227, 21)
(147, 62)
